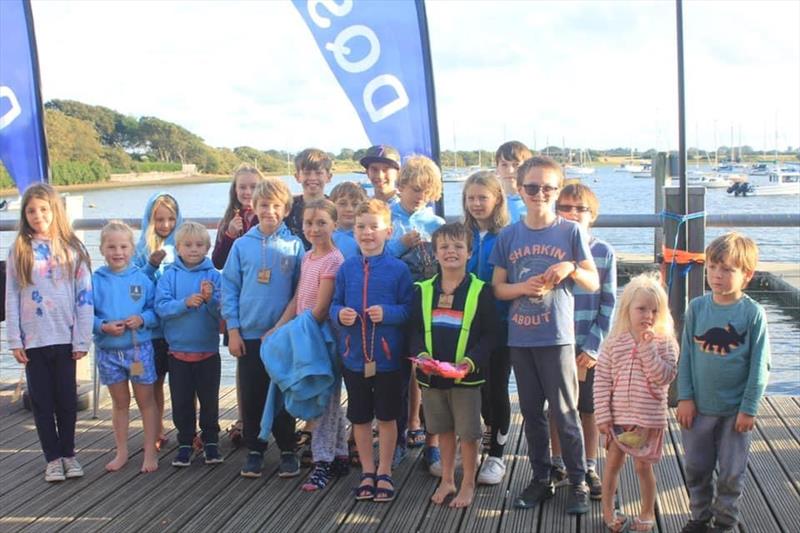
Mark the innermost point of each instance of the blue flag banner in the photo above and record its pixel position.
(379, 53)
(22, 143)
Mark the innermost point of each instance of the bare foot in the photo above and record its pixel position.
(464, 497)
(442, 492)
(150, 464)
(118, 462)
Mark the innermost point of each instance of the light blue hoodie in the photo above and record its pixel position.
(247, 304)
(118, 295)
(142, 256)
(344, 241)
(424, 221)
(189, 329)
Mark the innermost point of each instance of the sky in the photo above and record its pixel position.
(581, 74)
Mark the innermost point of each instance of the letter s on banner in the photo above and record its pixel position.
(378, 52)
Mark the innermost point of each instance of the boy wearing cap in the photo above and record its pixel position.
(382, 162)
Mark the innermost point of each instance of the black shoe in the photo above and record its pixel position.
(535, 492)
(211, 453)
(695, 526)
(558, 476)
(716, 527)
(290, 465)
(595, 485)
(183, 457)
(578, 499)
(252, 465)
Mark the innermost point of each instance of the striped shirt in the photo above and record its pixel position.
(593, 310)
(630, 386)
(312, 271)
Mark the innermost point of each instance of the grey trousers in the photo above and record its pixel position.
(713, 442)
(549, 373)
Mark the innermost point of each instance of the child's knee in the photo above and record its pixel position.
(643, 469)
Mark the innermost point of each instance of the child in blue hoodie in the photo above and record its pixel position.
(259, 279)
(187, 301)
(123, 321)
(371, 301)
(346, 196)
(155, 252)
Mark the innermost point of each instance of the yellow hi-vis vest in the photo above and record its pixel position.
(470, 307)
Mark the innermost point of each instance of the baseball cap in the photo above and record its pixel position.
(381, 153)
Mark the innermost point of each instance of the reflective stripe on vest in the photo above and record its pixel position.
(470, 307)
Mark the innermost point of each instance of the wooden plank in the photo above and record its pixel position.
(593, 520)
(137, 490)
(789, 412)
(520, 474)
(780, 441)
(672, 499)
(492, 502)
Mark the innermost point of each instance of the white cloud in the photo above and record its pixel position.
(595, 74)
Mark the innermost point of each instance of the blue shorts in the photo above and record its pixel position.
(114, 366)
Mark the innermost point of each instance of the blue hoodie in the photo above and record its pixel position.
(478, 264)
(142, 256)
(189, 329)
(425, 221)
(345, 242)
(377, 280)
(118, 295)
(247, 304)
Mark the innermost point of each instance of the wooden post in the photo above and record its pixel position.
(659, 179)
(684, 288)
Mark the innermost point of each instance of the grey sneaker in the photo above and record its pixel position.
(72, 468)
(534, 493)
(54, 471)
(578, 499)
(595, 485)
(716, 527)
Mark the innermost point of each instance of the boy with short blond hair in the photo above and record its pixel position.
(312, 170)
(453, 320)
(346, 196)
(371, 306)
(722, 374)
(509, 156)
(188, 304)
(259, 279)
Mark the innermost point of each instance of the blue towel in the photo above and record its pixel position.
(300, 358)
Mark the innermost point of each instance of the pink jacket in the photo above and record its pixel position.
(630, 386)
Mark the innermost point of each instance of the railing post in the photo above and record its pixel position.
(659, 178)
(683, 288)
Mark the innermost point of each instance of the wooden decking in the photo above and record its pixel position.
(205, 498)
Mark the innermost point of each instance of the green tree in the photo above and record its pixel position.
(71, 139)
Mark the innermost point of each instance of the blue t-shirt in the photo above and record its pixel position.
(525, 252)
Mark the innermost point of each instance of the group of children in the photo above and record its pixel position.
(429, 318)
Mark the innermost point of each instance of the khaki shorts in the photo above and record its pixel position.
(455, 409)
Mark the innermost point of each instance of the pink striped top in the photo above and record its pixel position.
(312, 271)
(630, 384)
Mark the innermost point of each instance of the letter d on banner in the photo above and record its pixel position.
(379, 53)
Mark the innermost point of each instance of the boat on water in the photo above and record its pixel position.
(455, 175)
(630, 168)
(577, 172)
(646, 171)
(779, 182)
(761, 169)
(712, 180)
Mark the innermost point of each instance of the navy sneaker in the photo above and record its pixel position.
(211, 452)
(535, 493)
(290, 465)
(578, 499)
(184, 456)
(695, 526)
(252, 465)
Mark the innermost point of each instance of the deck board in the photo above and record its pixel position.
(204, 498)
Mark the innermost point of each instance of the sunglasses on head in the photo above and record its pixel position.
(532, 189)
(573, 208)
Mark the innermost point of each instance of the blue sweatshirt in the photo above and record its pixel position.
(189, 329)
(516, 207)
(593, 310)
(725, 358)
(248, 304)
(425, 221)
(117, 296)
(376, 280)
(478, 264)
(345, 242)
(142, 256)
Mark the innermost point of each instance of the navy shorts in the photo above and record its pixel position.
(375, 397)
(161, 356)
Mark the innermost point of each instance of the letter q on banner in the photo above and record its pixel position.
(378, 51)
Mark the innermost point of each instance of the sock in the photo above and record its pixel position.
(591, 464)
(558, 461)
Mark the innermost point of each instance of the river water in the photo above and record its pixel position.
(619, 193)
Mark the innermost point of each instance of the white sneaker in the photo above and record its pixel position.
(54, 471)
(72, 468)
(492, 471)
